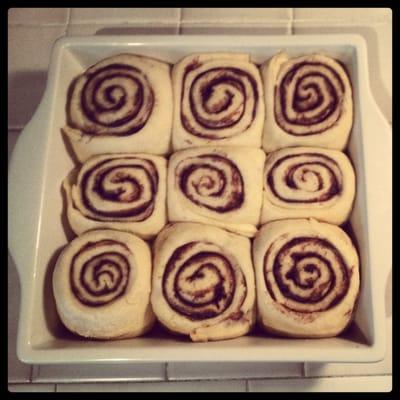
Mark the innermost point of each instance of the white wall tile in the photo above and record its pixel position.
(123, 29)
(35, 16)
(379, 43)
(98, 372)
(340, 14)
(31, 387)
(29, 47)
(193, 386)
(123, 15)
(383, 367)
(232, 370)
(348, 384)
(236, 21)
(229, 15)
(29, 51)
(17, 371)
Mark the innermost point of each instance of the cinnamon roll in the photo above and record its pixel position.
(308, 182)
(121, 104)
(307, 277)
(219, 186)
(308, 102)
(218, 99)
(101, 284)
(118, 191)
(203, 282)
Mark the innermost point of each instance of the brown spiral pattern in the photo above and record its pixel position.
(200, 281)
(305, 274)
(309, 97)
(304, 178)
(118, 189)
(219, 102)
(100, 272)
(114, 100)
(211, 181)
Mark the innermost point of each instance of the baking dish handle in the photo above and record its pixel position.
(25, 172)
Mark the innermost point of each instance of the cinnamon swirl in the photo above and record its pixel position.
(121, 104)
(219, 186)
(308, 182)
(219, 100)
(308, 102)
(102, 283)
(307, 276)
(118, 191)
(203, 282)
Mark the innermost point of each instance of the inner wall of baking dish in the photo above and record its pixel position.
(47, 331)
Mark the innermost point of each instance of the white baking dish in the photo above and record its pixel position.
(40, 161)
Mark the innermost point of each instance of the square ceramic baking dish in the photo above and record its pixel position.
(37, 228)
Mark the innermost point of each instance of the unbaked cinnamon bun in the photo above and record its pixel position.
(118, 191)
(101, 284)
(219, 186)
(121, 104)
(219, 100)
(308, 182)
(203, 282)
(307, 276)
(308, 102)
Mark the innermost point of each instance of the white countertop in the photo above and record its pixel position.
(31, 33)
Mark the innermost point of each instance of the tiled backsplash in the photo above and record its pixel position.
(32, 33)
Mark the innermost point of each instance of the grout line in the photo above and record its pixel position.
(247, 385)
(36, 25)
(234, 378)
(68, 22)
(124, 22)
(69, 16)
(291, 19)
(303, 370)
(166, 378)
(180, 22)
(61, 380)
(31, 374)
